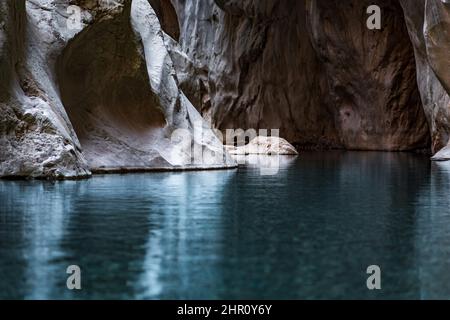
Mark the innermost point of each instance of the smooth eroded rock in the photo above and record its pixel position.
(428, 32)
(264, 146)
(442, 155)
(98, 94)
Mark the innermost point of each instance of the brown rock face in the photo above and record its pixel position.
(167, 17)
(255, 67)
(311, 68)
(371, 75)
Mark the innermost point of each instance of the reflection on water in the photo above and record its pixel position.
(309, 231)
(433, 234)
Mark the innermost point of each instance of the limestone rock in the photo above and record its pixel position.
(437, 38)
(371, 75)
(429, 29)
(137, 84)
(252, 66)
(98, 96)
(36, 138)
(442, 155)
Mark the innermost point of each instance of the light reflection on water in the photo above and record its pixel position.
(309, 231)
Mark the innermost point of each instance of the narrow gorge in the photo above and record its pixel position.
(261, 150)
(107, 95)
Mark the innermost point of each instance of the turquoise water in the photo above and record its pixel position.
(308, 232)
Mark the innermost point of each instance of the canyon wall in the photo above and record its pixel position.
(36, 137)
(371, 75)
(429, 27)
(254, 67)
(111, 94)
(314, 70)
(100, 96)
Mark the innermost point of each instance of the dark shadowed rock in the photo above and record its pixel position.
(253, 66)
(371, 75)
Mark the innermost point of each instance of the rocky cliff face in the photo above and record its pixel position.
(109, 94)
(255, 67)
(429, 28)
(314, 70)
(370, 74)
(36, 138)
(101, 96)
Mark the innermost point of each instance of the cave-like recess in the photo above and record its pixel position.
(106, 92)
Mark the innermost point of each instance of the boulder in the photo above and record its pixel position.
(264, 146)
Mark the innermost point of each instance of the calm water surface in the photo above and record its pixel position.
(308, 232)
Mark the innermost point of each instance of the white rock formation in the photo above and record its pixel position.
(100, 96)
(264, 146)
(112, 91)
(36, 137)
(442, 155)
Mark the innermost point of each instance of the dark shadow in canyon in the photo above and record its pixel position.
(371, 75)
